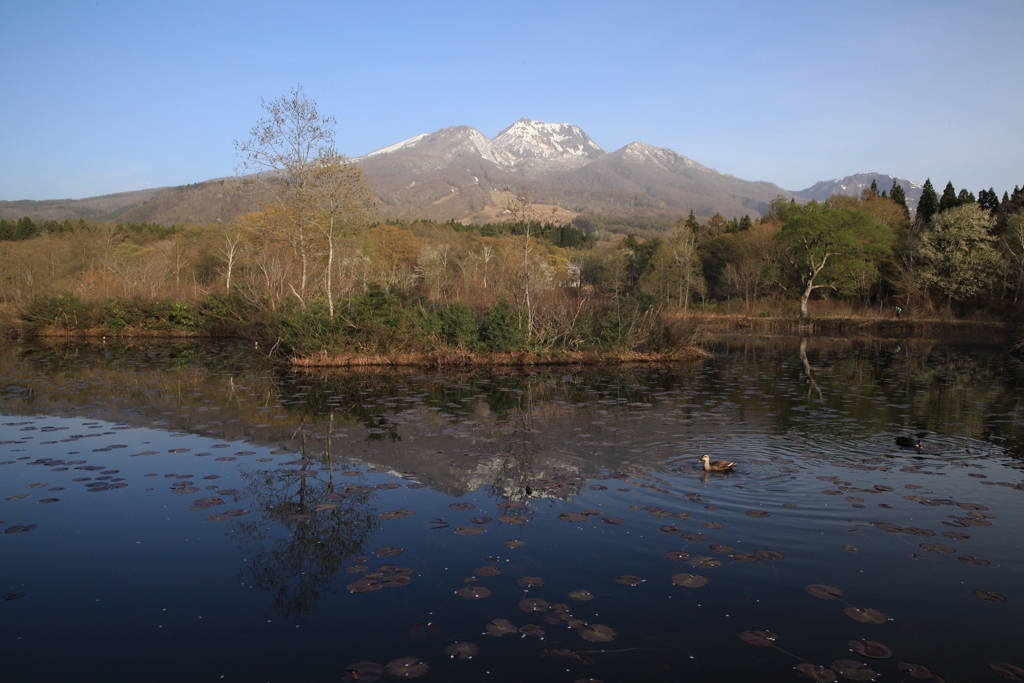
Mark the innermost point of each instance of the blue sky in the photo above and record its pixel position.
(109, 96)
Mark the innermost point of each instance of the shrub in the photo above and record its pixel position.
(458, 326)
(503, 330)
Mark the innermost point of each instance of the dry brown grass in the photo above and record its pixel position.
(448, 358)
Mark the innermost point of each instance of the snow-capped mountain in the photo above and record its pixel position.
(539, 145)
(459, 173)
(855, 184)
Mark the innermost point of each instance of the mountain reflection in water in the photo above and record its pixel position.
(190, 506)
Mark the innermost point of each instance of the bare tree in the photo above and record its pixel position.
(316, 196)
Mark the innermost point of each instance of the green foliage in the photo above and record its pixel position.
(958, 254)
(503, 329)
(899, 196)
(928, 205)
(830, 247)
(458, 326)
(948, 200)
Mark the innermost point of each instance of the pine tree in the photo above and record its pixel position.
(874, 186)
(948, 199)
(897, 195)
(691, 222)
(965, 197)
(928, 205)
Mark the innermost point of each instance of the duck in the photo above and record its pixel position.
(717, 465)
(909, 442)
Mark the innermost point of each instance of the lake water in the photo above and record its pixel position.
(191, 512)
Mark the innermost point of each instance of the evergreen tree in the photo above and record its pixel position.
(948, 199)
(928, 205)
(965, 197)
(691, 223)
(988, 199)
(874, 187)
(897, 195)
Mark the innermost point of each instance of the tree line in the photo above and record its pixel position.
(313, 267)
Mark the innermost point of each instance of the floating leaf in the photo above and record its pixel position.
(762, 638)
(758, 513)
(689, 580)
(487, 570)
(939, 548)
(532, 630)
(395, 514)
(474, 592)
(572, 517)
(712, 525)
(365, 586)
(480, 520)
(515, 544)
(769, 555)
(816, 673)
(462, 506)
(968, 559)
(696, 537)
(501, 627)
(629, 580)
(534, 605)
(7, 597)
(363, 672)
(20, 528)
(531, 582)
(745, 557)
(854, 670)
(990, 596)
(581, 595)
(870, 648)
(462, 650)
(469, 530)
(597, 633)
(822, 591)
(1011, 671)
(915, 670)
(669, 529)
(406, 667)
(388, 551)
(865, 615)
(613, 520)
(513, 519)
(722, 549)
(678, 555)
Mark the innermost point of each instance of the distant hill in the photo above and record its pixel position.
(104, 208)
(458, 173)
(855, 184)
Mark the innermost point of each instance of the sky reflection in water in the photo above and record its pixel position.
(188, 507)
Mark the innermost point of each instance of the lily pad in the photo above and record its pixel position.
(501, 627)
(689, 580)
(406, 667)
(597, 633)
(462, 650)
(822, 591)
(866, 615)
(761, 638)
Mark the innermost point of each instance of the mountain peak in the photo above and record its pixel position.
(547, 144)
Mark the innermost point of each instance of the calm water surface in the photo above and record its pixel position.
(179, 512)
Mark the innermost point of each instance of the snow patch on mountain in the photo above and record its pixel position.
(404, 144)
(666, 158)
(562, 144)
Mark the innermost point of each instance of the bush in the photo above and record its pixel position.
(458, 326)
(503, 330)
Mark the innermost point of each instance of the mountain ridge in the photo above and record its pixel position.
(458, 173)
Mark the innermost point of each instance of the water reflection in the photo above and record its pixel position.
(554, 522)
